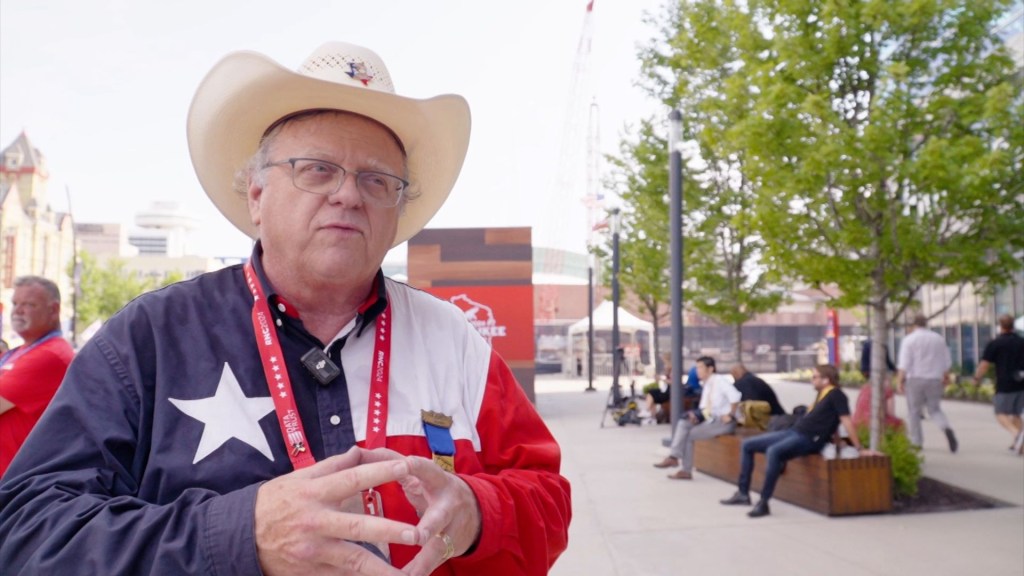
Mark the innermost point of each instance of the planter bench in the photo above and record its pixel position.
(832, 487)
(665, 408)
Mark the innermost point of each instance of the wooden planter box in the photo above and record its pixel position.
(832, 487)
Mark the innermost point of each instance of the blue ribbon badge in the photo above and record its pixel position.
(439, 436)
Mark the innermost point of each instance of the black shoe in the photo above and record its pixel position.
(761, 509)
(953, 444)
(737, 498)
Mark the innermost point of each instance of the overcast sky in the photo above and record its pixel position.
(102, 89)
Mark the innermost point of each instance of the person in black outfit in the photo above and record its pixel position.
(1006, 351)
(865, 360)
(752, 387)
(807, 436)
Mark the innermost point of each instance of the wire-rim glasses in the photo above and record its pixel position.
(325, 178)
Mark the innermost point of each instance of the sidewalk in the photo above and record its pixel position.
(630, 520)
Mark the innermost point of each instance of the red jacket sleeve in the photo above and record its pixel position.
(525, 503)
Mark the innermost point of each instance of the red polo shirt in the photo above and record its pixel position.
(29, 381)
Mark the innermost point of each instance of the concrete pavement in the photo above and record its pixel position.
(630, 520)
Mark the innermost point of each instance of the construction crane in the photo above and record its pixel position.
(577, 178)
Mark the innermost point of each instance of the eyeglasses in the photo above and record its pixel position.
(326, 178)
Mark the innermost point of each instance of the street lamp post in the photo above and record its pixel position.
(590, 328)
(76, 272)
(617, 391)
(675, 214)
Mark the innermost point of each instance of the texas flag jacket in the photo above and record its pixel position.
(149, 457)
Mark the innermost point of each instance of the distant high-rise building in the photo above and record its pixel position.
(156, 249)
(163, 230)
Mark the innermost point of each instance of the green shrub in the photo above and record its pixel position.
(648, 388)
(965, 389)
(851, 378)
(962, 390)
(986, 391)
(905, 458)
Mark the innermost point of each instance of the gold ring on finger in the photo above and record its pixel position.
(449, 546)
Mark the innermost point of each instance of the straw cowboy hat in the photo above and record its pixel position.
(246, 92)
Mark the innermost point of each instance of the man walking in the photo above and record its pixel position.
(923, 364)
(1006, 352)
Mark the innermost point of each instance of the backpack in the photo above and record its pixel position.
(786, 421)
(628, 414)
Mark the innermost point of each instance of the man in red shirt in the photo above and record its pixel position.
(30, 373)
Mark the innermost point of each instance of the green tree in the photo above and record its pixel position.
(640, 178)
(887, 144)
(693, 68)
(105, 290)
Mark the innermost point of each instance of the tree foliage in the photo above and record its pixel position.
(640, 178)
(692, 68)
(888, 144)
(103, 290)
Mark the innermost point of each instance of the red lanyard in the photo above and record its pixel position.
(281, 386)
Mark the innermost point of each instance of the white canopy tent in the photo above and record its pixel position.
(635, 335)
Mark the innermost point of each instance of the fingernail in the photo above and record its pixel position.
(408, 537)
(401, 468)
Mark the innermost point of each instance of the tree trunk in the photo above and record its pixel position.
(656, 352)
(879, 369)
(737, 341)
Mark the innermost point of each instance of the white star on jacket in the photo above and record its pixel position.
(228, 414)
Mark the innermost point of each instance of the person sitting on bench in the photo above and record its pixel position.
(714, 417)
(758, 402)
(657, 397)
(807, 436)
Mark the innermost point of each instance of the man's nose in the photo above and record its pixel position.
(348, 193)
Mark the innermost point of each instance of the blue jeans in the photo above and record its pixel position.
(778, 447)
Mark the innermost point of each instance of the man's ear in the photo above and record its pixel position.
(254, 196)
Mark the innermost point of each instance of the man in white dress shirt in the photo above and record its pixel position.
(923, 364)
(714, 417)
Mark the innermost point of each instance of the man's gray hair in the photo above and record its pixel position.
(49, 285)
(921, 321)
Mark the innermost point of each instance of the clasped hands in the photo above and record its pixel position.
(302, 525)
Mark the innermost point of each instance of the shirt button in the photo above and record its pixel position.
(281, 307)
(278, 322)
(335, 420)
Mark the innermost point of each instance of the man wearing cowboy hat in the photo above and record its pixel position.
(301, 413)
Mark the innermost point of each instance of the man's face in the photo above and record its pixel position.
(818, 381)
(704, 372)
(34, 314)
(324, 238)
